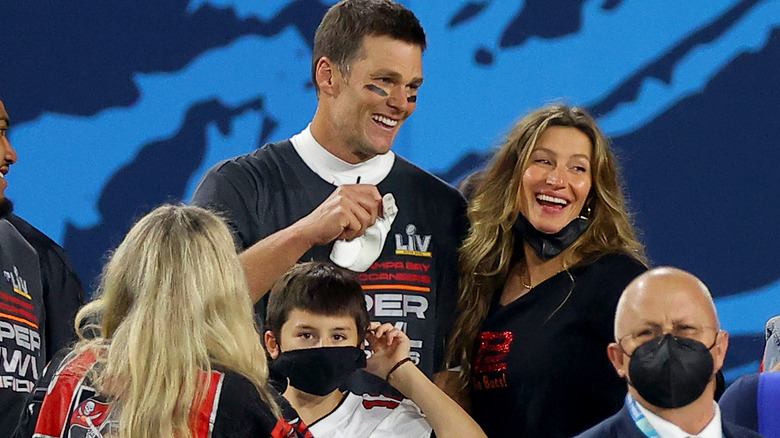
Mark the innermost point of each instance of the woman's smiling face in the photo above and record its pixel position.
(557, 179)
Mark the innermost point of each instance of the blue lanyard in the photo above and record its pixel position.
(642, 423)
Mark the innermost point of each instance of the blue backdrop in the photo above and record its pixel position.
(118, 106)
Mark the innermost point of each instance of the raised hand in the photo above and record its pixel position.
(345, 214)
(389, 346)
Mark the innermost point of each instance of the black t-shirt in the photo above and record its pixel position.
(39, 296)
(242, 413)
(541, 365)
(414, 282)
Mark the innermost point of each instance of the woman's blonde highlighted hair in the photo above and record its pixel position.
(487, 253)
(173, 303)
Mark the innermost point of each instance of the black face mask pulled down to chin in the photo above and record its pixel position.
(546, 245)
(319, 371)
(671, 372)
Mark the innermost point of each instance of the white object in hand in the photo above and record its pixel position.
(361, 252)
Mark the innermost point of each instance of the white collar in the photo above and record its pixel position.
(335, 170)
(667, 429)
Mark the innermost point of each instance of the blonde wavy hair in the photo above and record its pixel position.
(173, 303)
(487, 253)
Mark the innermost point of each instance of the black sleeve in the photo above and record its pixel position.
(63, 296)
(224, 190)
(447, 302)
(607, 279)
(241, 412)
(613, 273)
(29, 417)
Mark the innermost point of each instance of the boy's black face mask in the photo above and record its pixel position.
(319, 371)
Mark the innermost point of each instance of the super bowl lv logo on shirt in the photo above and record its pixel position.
(20, 340)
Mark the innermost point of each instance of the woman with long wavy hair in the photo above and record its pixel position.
(550, 249)
(177, 352)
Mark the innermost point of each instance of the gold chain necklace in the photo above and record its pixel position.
(528, 286)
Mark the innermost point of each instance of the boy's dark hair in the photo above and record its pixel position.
(317, 287)
(340, 33)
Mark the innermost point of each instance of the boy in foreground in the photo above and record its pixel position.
(317, 321)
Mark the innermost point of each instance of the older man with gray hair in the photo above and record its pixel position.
(668, 346)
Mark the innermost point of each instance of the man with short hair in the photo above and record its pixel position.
(39, 296)
(336, 190)
(317, 324)
(669, 346)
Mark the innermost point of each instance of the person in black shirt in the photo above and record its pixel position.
(337, 186)
(551, 248)
(39, 296)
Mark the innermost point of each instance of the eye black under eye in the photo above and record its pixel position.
(411, 99)
(376, 90)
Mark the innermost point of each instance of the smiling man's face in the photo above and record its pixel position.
(367, 106)
(7, 158)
